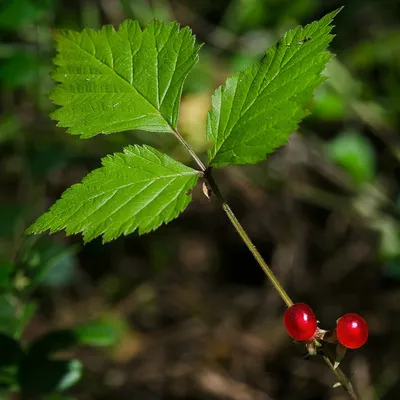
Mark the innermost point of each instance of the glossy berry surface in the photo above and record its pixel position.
(352, 331)
(300, 322)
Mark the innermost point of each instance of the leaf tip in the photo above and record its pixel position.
(334, 13)
(30, 230)
(35, 228)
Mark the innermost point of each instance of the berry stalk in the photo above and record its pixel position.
(342, 378)
(253, 249)
(344, 381)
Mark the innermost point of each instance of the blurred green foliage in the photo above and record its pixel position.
(355, 154)
(17, 14)
(20, 69)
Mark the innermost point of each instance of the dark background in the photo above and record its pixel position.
(191, 313)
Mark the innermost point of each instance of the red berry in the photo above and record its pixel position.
(352, 331)
(300, 322)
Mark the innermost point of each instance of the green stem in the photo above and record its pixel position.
(189, 149)
(240, 230)
(250, 245)
(344, 381)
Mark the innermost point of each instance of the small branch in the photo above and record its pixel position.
(250, 245)
(189, 149)
(342, 378)
(240, 230)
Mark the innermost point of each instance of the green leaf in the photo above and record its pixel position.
(256, 110)
(97, 334)
(94, 333)
(138, 189)
(38, 376)
(329, 105)
(355, 153)
(50, 264)
(112, 81)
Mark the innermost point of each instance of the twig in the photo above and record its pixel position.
(341, 376)
(344, 381)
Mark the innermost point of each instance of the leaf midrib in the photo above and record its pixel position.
(115, 190)
(172, 177)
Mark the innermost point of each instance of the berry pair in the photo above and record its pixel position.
(301, 324)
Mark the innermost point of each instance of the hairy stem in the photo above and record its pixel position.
(342, 378)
